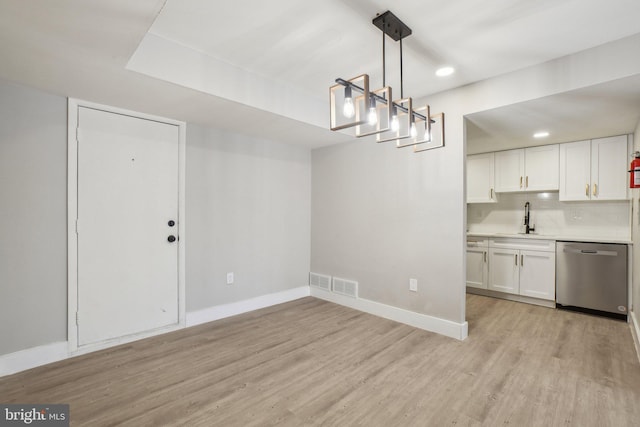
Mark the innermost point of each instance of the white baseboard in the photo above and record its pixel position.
(227, 310)
(635, 331)
(422, 321)
(33, 357)
(37, 356)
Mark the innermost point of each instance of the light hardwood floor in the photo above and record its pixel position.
(310, 362)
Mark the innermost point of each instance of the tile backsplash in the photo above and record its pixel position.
(596, 219)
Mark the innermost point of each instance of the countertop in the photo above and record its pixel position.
(551, 237)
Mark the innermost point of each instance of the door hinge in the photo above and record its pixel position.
(77, 318)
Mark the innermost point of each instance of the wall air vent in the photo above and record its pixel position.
(320, 281)
(345, 287)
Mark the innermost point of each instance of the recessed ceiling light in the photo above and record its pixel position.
(543, 134)
(445, 71)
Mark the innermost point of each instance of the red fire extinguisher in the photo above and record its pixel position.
(634, 180)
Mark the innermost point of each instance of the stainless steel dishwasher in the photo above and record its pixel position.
(592, 277)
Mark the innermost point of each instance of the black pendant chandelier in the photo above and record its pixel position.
(376, 112)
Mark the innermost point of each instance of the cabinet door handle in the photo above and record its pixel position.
(516, 258)
(526, 182)
(586, 190)
(491, 193)
(485, 257)
(595, 189)
(520, 182)
(521, 260)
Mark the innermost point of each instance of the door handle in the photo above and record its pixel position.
(485, 257)
(171, 239)
(521, 260)
(595, 189)
(586, 190)
(526, 182)
(491, 193)
(520, 182)
(516, 258)
(171, 223)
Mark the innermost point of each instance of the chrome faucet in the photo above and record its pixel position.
(527, 228)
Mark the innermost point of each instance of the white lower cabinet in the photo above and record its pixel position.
(504, 275)
(524, 267)
(477, 263)
(538, 274)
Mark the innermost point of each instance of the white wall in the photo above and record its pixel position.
(33, 212)
(381, 216)
(635, 232)
(420, 232)
(602, 219)
(248, 212)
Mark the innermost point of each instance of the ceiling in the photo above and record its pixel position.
(309, 44)
(85, 49)
(607, 109)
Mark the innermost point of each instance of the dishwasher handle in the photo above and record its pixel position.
(590, 252)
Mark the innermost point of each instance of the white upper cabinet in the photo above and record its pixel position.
(542, 168)
(594, 170)
(527, 169)
(575, 170)
(480, 179)
(609, 166)
(510, 170)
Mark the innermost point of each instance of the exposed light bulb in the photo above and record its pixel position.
(373, 116)
(394, 123)
(413, 132)
(348, 110)
(394, 118)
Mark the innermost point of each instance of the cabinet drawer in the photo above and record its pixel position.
(477, 242)
(524, 244)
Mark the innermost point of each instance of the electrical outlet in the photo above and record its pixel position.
(413, 285)
(230, 278)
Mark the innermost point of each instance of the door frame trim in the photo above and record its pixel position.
(72, 237)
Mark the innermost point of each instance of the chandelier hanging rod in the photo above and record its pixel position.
(379, 98)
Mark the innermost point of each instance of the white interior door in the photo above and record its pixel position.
(127, 196)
